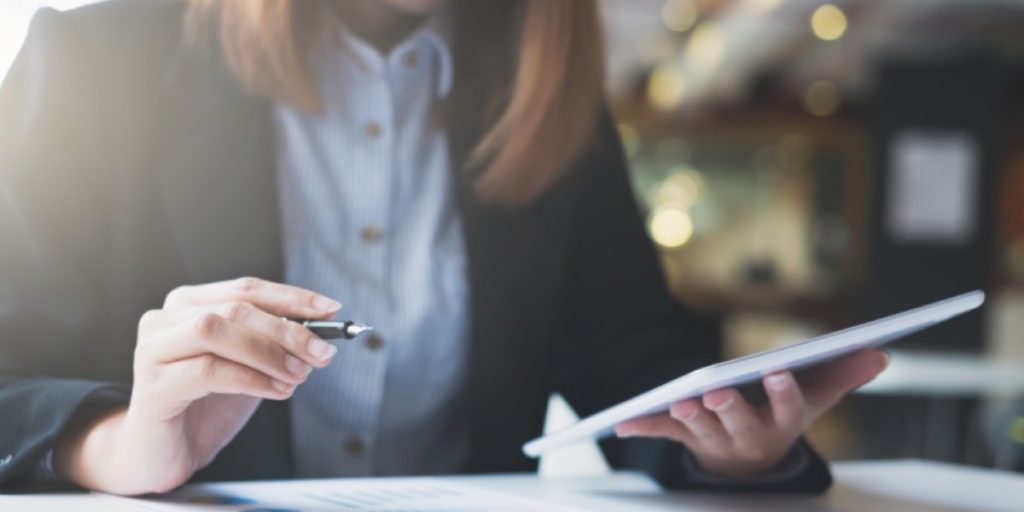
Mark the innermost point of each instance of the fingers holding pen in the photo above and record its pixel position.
(301, 344)
(198, 377)
(291, 336)
(208, 333)
(233, 347)
(274, 298)
(230, 338)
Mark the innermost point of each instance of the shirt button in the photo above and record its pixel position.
(374, 342)
(411, 59)
(372, 130)
(370, 234)
(354, 447)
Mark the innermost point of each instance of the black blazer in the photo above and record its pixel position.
(130, 165)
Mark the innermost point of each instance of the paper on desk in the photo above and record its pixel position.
(363, 495)
(61, 502)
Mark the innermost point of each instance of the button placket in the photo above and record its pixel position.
(372, 130)
(370, 234)
(380, 137)
(372, 222)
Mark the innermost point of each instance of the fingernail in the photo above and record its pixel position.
(777, 383)
(623, 432)
(283, 387)
(325, 304)
(888, 358)
(321, 350)
(296, 367)
(684, 410)
(719, 407)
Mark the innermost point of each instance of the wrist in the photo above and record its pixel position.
(737, 468)
(794, 463)
(86, 449)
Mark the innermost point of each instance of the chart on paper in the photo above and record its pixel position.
(362, 495)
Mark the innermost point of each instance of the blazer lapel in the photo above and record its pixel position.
(219, 195)
(219, 188)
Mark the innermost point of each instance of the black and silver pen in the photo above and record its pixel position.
(333, 329)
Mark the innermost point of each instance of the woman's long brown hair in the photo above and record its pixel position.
(542, 83)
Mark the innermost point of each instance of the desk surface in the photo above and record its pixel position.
(909, 486)
(914, 486)
(936, 374)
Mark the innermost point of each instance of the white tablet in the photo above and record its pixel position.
(752, 368)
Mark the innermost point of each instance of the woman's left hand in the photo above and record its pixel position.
(730, 437)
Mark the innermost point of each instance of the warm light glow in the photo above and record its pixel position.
(828, 22)
(679, 15)
(706, 47)
(764, 5)
(681, 189)
(666, 88)
(822, 98)
(630, 139)
(656, 47)
(671, 227)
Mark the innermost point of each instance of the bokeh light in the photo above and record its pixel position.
(666, 87)
(764, 5)
(680, 189)
(671, 227)
(822, 98)
(679, 15)
(706, 47)
(828, 22)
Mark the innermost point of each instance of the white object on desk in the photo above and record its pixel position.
(904, 485)
(751, 368)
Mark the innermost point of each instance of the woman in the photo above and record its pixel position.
(445, 168)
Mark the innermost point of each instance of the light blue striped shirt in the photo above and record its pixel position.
(369, 217)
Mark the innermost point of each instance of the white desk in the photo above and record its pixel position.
(928, 374)
(945, 383)
(913, 486)
(907, 486)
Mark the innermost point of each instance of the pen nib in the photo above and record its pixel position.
(354, 330)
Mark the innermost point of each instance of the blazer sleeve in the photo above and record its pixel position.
(628, 334)
(52, 239)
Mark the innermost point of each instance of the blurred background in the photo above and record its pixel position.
(806, 165)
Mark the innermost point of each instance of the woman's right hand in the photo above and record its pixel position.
(202, 365)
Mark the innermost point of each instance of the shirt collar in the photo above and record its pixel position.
(436, 31)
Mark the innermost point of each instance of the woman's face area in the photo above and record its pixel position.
(415, 7)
